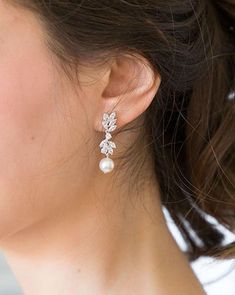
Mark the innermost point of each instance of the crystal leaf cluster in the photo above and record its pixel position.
(108, 122)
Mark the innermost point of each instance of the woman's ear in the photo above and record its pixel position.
(130, 86)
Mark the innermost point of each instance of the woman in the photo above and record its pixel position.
(148, 87)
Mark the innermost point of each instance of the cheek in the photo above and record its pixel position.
(26, 101)
(28, 118)
(36, 133)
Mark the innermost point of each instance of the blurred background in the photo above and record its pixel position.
(218, 278)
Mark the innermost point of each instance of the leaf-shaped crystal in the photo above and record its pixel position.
(104, 151)
(112, 115)
(112, 128)
(112, 144)
(105, 116)
(112, 121)
(105, 124)
(103, 142)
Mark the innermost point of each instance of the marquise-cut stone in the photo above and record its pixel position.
(112, 144)
(105, 116)
(112, 122)
(105, 125)
(103, 142)
(112, 116)
(112, 128)
(103, 151)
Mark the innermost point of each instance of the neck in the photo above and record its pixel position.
(112, 243)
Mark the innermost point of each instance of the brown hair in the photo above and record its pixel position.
(190, 124)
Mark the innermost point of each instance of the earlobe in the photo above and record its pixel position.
(131, 86)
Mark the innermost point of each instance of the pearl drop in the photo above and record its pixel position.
(106, 165)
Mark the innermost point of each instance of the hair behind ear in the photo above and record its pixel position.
(196, 150)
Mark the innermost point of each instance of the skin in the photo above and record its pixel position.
(65, 227)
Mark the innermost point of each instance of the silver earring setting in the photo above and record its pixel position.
(108, 122)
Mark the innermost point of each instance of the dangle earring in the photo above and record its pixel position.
(108, 122)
